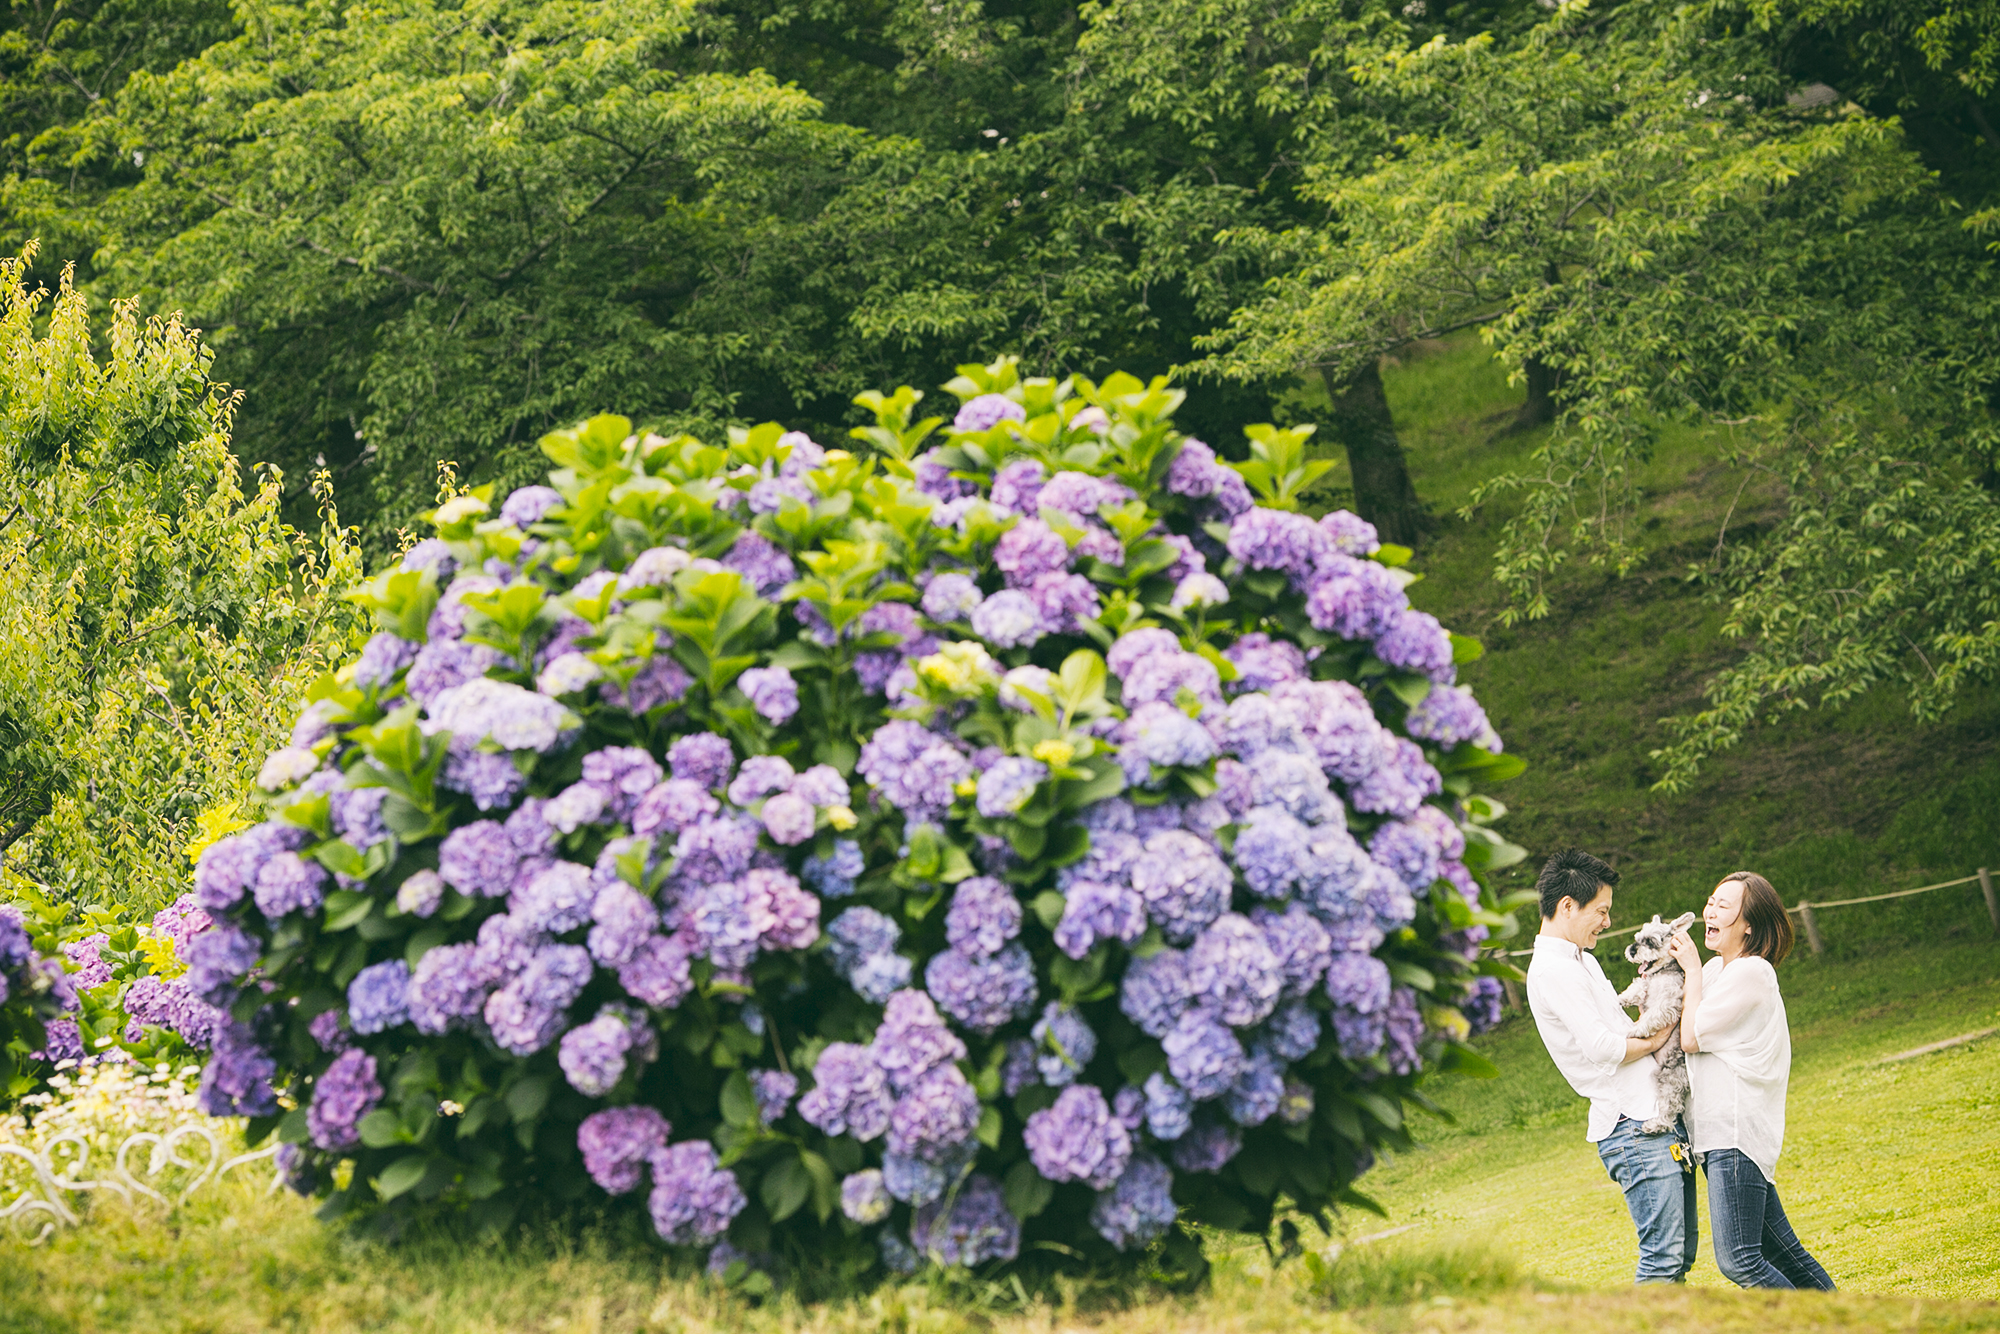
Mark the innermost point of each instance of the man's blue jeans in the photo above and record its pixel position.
(1659, 1194)
(1755, 1246)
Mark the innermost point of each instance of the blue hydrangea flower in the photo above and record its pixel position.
(1203, 1056)
(1293, 1030)
(983, 992)
(1415, 642)
(1009, 619)
(850, 1093)
(913, 769)
(1233, 972)
(1006, 787)
(1155, 992)
(1208, 1147)
(1161, 735)
(527, 1013)
(984, 915)
(703, 758)
(984, 412)
(1065, 1044)
(343, 1095)
(1259, 1087)
(1139, 1208)
(864, 1198)
(972, 1227)
(951, 597)
(378, 997)
(834, 874)
(1273, 851)
(912, 1040)
(1169, 1110)
(1184, 883)
(936, 1115)
(1302, 946)
(1094, 912)
(694, 1199)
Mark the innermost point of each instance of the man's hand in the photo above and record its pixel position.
(1683, 952)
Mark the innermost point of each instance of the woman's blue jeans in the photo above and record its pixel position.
(1660, 1193)
(1755, 1246)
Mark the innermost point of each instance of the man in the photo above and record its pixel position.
(1584, 1028)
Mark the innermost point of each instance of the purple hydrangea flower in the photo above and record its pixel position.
(1268, 539)
(617, 1142)
(1065, 1044)
(479, 859)
(1295, 785)
(625, 774)
(1129, 1106)
(1006, 787)
(1208, 1147)
(1293, 1031)
(507, 715)
(343, 1095)
(378, 998)
(1482, 1006)
(1160, 735)
(1018, 1070)
(1018, 486)
(1409, 851)
(1403, 1029)
(983, 992)
(1162, 676)
(715, 849)
(1065, 601)
(1352, 535)
(1136, 646)
(835, 873)
(527, 1013)
(216, 959)
(1095, 912)
(577, 805)
(1082, 494)
(761, 563)
(1357, 982)
(984, 412)
(557, 899)
(850, 1094)
(1233, 971)
(594, 1056)
(1301, 945)
(1193, 471)
(1078, 1139)
(237, 1079)
(936, 1115)
(659, 680)
(93, 970)
(1008, 619)
(951, 597)
(288, 883)
(912, 1180)
(774, 1091)
(771, 691)
(1355, 599)
(693, 1198)
(1184, 884)
(658, 973)
(1259, 1088)
(913, 1040)
(492, 781)
(357, 816)
(1029, 550)
(972, 1227)
(623, 919)
(673, 806)
(1415, 642)
(1139, 1208)
(703, 758)
(449, 988)
(1273, 850)
(169, 1003)
(984, 915)
(1262, 662)
(1203, 1056)
(381, 658)
(822, 785)
(1450, 715)
(1155, 994)
(1169, 1110)
(444, 664)
(529, 504)
(913, 769)
(864, 1198)
(760, 776)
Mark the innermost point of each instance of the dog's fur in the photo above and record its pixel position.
(1657, 991)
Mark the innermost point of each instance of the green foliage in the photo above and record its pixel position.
(152, 627)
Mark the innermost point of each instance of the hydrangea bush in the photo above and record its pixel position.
(35, 990)
(1028, 828)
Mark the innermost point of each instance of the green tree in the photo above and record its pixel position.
(157, 627)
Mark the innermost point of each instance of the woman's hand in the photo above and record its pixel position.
(1681, 948)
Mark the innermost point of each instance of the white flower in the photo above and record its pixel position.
(459, 508)
(286, 767)
(654, 568)
(420, 895)
(1200, 590)
(567, 673)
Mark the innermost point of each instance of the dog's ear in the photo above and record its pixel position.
(1686, 919)
(1655, 921)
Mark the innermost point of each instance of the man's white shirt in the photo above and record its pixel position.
(1576, 1008)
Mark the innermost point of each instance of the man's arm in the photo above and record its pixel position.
(1599, 1042)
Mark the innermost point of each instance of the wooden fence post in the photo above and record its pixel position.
(1513, 990)
(1992, 906)
(1812, 927)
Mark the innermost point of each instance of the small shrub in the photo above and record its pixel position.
(1015, 846)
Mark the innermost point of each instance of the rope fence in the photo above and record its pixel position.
(1807, 912)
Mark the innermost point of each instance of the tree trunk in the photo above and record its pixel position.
(1540, 409)
(1383, 492)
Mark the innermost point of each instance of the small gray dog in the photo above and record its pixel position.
(1657, 991)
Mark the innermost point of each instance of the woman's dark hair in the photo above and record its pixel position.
(1572, 874)
(1770, 929)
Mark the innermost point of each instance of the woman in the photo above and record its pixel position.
(1739, 1060)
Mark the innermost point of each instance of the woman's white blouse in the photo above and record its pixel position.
(1736, 1097)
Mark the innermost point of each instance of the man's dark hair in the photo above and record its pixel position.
(1572, 874)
